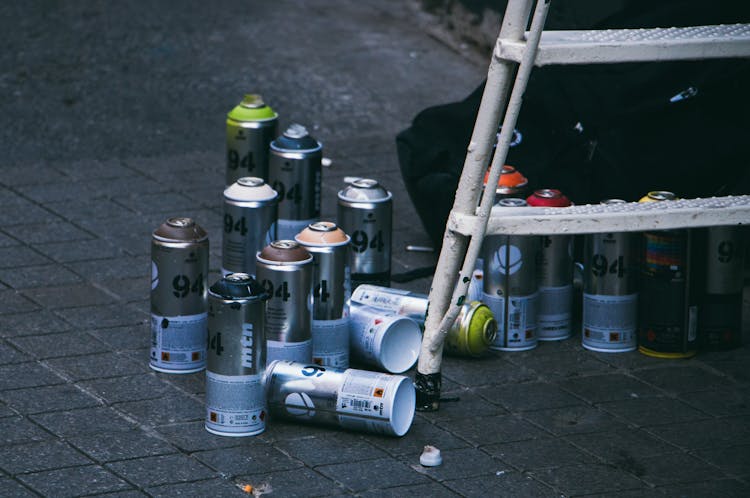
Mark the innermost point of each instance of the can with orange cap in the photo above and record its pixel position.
(330, 316)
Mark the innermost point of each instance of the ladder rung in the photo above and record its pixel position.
(598, 218)
(634, 45)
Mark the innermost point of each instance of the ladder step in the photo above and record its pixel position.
(599, 218)
(633, 45)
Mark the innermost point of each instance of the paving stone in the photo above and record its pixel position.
(501, 484)
(529, 396)
(6, 241)
(129, 289)
(681, 379)
(69, 296)
(9, 354)
(621, 445)
(18, 256)
(705, 434)
(74, 481)
(734, 461)
(165, 202)
(98, 366)
(124, 494)
(574, 420)
(125, 338)
(332, 448)
(632, 360)
(88, 169)
(8, 197)
(83, 209)
(46, 455)
(612, 387)
(24, 212)
(47, 399)
(647, 412)
(460, 464)
(55, 230)
(565, 365)
(164, 469)
(167, 410)
(193, 436)
(38, 276)
(38, 322)
(588, 478)
(121, 445)
(493, 429)
(300, 482)
(421, 432)
(97, 317)
(359, 476)
(34, 174)
(77, 343)
(13, 489)
(13, 302)
(672, 468)
(252, 457)
(190, 383)
(726, 488)
(85, 421)
(5, 411)
(215, 488)
(468, 401)
(720, 401)
(22, 375)
(420, 490)
(632, 493)
(538, 453)
(102, 270)
(489, 370)
(20, 430)
(129, 388)
(80, 250)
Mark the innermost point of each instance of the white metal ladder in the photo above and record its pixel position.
(517, 51)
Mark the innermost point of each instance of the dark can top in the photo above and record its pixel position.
(296, 139)
(548, 197)
(511, 202)
(284, 252)
(180, 229)
(238, 286)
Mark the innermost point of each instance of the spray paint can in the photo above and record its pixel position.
(720, 320)
(179, 272)
(365, 211)
(250, 128)
(383, 340)
(610, 291)
(330, 314)
(285, 272)
(510, 286)
(294, 171)
(555, 274)
(235, 397)
(352, 399)
(250, 210)
(471, 334)
(667, 306)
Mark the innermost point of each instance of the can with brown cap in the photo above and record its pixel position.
(179, 272)
(284, 269)
(251, 126)
(330, 315)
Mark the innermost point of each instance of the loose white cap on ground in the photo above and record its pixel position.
(430, 457)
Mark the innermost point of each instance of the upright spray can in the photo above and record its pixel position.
(720, 320)
(250, 128)
(284, 270)
(294, 172)
(250, 211)
(235, 397)
(179, 272)
(365, 211)
(510, 286)
(330, 316)
(610, 295)
(668, 304)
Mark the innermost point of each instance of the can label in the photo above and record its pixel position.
(476, 286)
(517, 321)
(610, 322)
(290, 351)
(287, 229)
(235, 403)
(362, 401)
(555, 304)
(364, 331)
(178, 343)
(331, 342)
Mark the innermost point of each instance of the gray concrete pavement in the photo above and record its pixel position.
(113, 119)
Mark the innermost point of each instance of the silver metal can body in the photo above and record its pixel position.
(351, 399)
(235, 397)
(511, 290)
(555, 288)
(247, 148)
(400, 302)
(610, 292)
(179, 272)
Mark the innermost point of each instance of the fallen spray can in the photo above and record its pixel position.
(610, 291)
(284, 270)
(250, 212)
(471, 334)
(383, 340)
(250, 128)
(179, 273)
(294, 171)
(328, 245)
(235, 395)
(365, 211)
(351, 399)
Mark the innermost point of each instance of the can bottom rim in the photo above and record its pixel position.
(668, 356)
(495, 348)
(556, 338)
(605, 350)
(234, 434)
(176, 371)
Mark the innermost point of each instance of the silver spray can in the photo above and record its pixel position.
(365, 211)
(510, 286)
(330, 316)
(179, 272)
(294, 171)
(284, 270)
(383, 339)
(610, 291)
(250, 211)
(250, 128)
(351, 399)
(235, 397)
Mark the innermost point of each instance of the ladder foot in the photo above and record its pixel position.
(428, 391)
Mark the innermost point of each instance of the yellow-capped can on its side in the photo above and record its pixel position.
(473, 331)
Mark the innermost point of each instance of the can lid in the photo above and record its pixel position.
(296, 138)
(238, 286)
(511, 202)
(548, 197)
(613, 201)
(510, 179)
(281, 252)
(658, 195)
(364, 190)
(250, 188)
(180, 229)
(322, 233)
(482, 327)
(252, 108)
